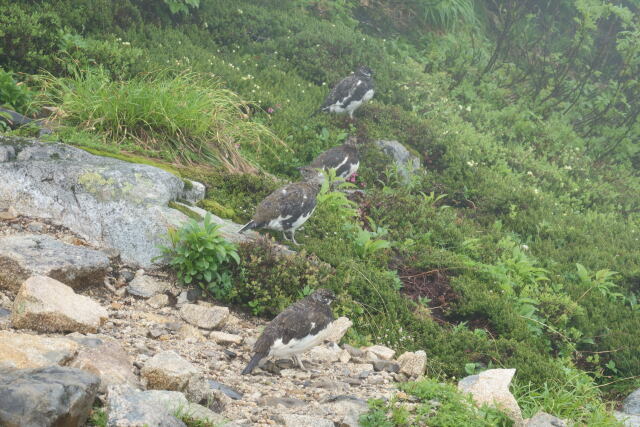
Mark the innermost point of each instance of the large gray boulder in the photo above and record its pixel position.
(51, 396)
(24, 255)
(109, 202)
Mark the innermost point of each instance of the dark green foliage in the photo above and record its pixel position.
(268, 282)
(200, 255)
(13, 96)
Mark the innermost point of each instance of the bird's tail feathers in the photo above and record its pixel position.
(248, 226)
(253, 363)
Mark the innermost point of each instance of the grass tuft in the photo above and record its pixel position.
(187, 118)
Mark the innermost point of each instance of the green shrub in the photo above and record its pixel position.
(200, 255)
(12, 95)
(267, 281)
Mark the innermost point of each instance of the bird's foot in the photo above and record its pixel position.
(298, 361)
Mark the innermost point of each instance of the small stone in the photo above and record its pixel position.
(354, 352)
(46, 305)
(345, 357)
(287, 402)
(230, 354)
(542, 419)
(337, 329)
(199, 391)
(413, 364)
(32, 351)
(293, 420)
(364, 374)
(156, 331)
(10, 213)
(146, 286)
(168, 371)
(231, 393)
(108, 361)
(380, 352)
(50, 396)
(386, 365)
(126, 275)
(491, 387)
(191, 333)
(325, 354)
(193, 191)
(225, 338)
(5, 318)
(204, 317)
(36, 227)
(158, 301)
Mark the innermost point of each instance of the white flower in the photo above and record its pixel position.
(536, 191)
(126, 43)
(472, 164)
(530, 173)
(524, 247)
(568, 167)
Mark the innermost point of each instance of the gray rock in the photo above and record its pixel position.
(7, 153)
(51, 396)
(46, 305)
(386, 365)
(24, 351)
(413, 364)
(231, 393)
(36, 227)
(4, 318)
(406, 162)
(491, 387)
(159, 301)
(376, 352)
(109, 202)
(168, 371)
(199, 391)
(128, 407)
(626, 419)
(22, 256)
(193, 191)
(108, 361)
(631, 405)
(126, 275)
(146, 286)
(292, 420)
(204, 317)
(347, 409)
(287, 402)
(354, 352)
(542, 419)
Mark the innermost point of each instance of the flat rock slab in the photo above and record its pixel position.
(109, 361)
(51, 396)
(32, 351)
(109, 202)
(293, 420)
(25, 255)
(168, 371)
(413, 364)
(128, 407)
(46, 305)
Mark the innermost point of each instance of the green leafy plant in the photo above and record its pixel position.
(599, 281)
(200, 255)
(12, 95)
(369, 242)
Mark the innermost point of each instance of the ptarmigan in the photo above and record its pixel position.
(287, 208)
(350, 93)
(298, 328)
(344, 159)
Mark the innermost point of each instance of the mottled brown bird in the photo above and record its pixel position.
(298, 328)
(344, 159)
(287, 208)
